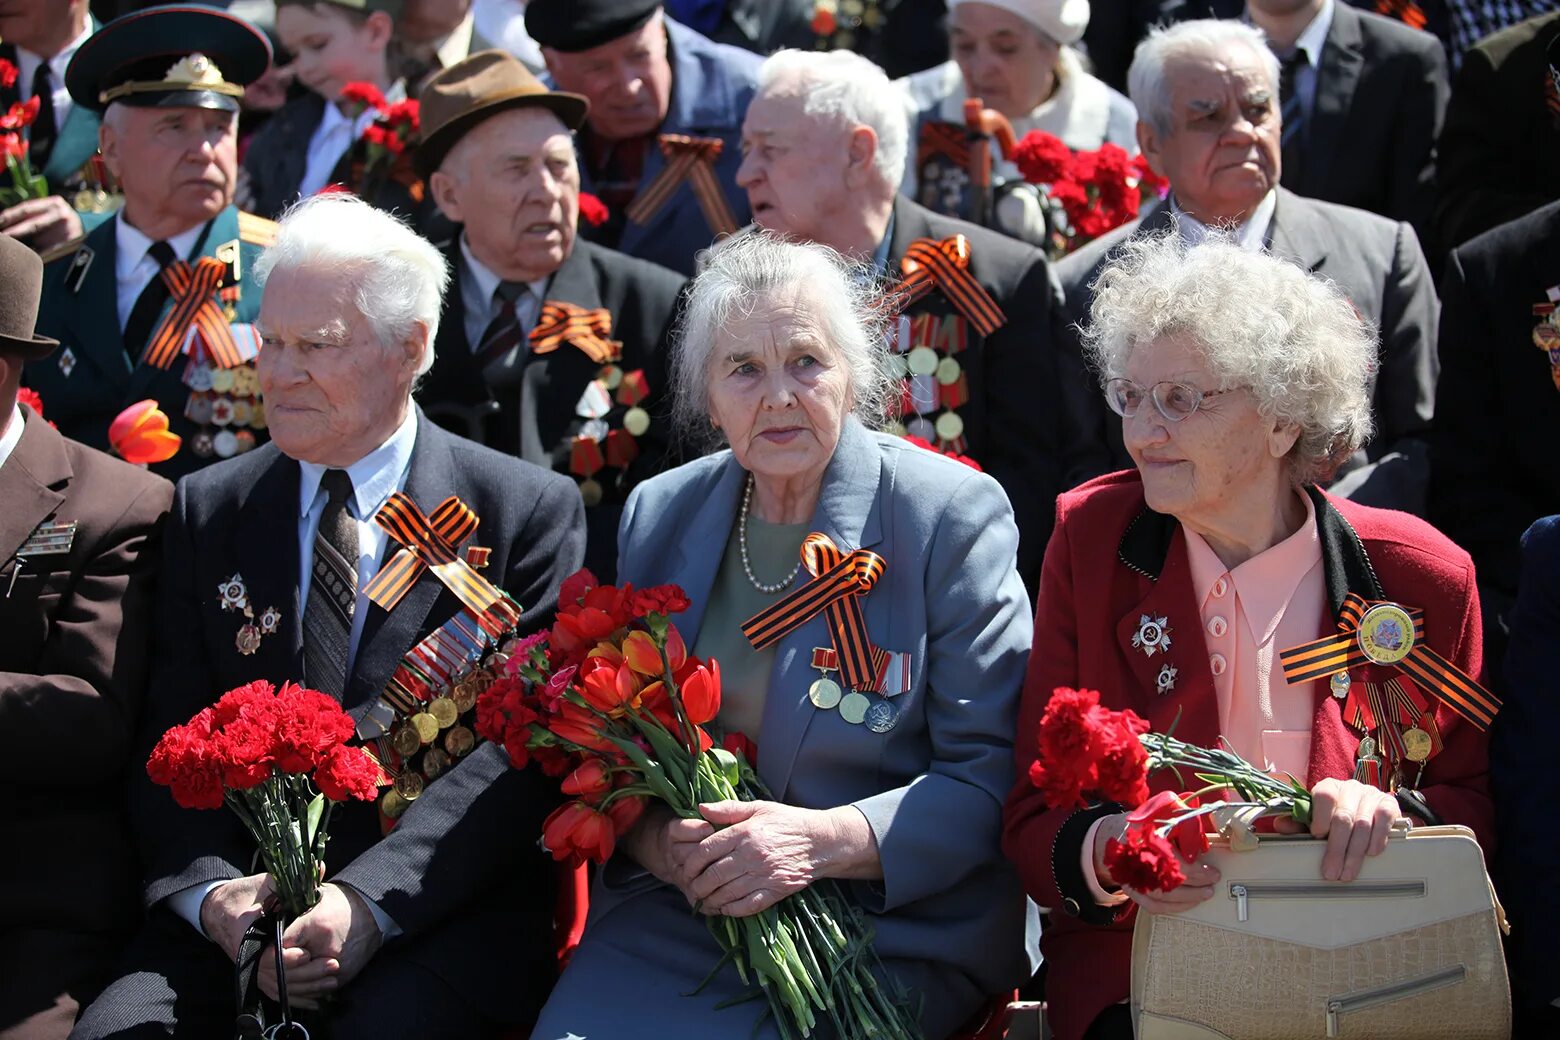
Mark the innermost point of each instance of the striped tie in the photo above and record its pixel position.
(327, 619)
(501, 355)
(1292, 113)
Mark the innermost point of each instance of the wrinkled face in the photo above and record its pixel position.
(330, 48)
(628, 81)
(176, 164)
(512, 181)
(778, 389)
(794, 167)
(30, 24)
(1198, 467)
(1007, 62)
(1221, 155)
(333, 392)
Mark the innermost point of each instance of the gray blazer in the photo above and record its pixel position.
(1379, 266)
(932, 787)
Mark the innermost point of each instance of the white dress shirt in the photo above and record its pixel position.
(476, 297)
(375, 477)
(27, 67)
(134, 265)
(12, 434)
(1250, 236)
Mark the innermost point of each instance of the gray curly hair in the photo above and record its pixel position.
(1294, 339)
(738, 277)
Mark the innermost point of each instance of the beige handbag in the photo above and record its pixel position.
(1410, 949)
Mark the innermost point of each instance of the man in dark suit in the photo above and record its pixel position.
(1501, 143)
(1213, 130)
(1492, 463)
(658, 91)
(550, 348)
(989, 393)
(169, 135)
(78, 552)
(1363, 98)
(442, 928)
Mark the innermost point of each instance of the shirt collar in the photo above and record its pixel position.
(457, 45)
(12, 435)
(374, 477)
(131, 245)
(1266, 582)
(1251, 235)
(486, 281)
(1314, 37)
(28, 62)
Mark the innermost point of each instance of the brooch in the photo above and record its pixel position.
(1166, 679)
(1153, 635)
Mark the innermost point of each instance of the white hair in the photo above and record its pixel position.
(848, 89)
(742, 275)
(401, 276)
(1292, 338)
(1201, 38)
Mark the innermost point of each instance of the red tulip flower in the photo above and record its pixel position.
(576, 832)
(140, 434)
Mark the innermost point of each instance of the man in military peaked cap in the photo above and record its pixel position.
(155, 302)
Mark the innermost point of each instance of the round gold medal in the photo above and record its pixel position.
(409, 785)
(392, 804)
(464, 695)
(922, 361)
(405, 740)
(947, 371)
(434, 763)
(222, 380)
(459, 740)
(1386, 633)
(427, 727)
(636, 421)
(443, 711)
(824, 694)
(590, 491)
(1416, 744)
(950, 426)
(854, 707)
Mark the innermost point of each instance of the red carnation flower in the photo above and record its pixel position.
(662, 599)
(309, 723)
(185, 761)
(365, 95)
(29, 397)
(1041, 158)
(1122, 766)
(593, 210)
(1144, 861)
(347, 773)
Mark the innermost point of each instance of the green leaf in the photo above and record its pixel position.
(316, 809)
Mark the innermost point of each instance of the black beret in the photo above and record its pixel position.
(579, 25)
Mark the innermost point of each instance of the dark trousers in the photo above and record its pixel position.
(174, 983)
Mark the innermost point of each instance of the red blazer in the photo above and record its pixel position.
(1112, 560)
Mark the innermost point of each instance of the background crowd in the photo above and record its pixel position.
(583, 189)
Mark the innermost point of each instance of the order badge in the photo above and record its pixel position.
(1386, 633)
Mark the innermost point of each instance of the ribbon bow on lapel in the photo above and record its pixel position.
(193, 289)
(839, 580)
(1432, 672)
(689, 159)
(430, 542)
(931, 264)
(589, 330)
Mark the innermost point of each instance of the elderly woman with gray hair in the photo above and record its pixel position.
(891, 779)
(1174, 589)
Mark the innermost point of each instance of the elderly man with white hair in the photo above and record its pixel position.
(824, 153)
(1207, 94)
(401, 940)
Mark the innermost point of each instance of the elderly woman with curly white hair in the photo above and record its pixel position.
(1174, 589)
(889, 780)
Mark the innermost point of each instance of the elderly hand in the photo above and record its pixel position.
(229, 909)
(48, 222)
(1355, 818)
(1197, 888)
(325, 948)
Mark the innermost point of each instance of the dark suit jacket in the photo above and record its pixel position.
(461, 873)
(1501, 143)
(73, 664)
(538, 423)
(1014, 421)
(1381, 94)
(1492, 463)
(1382, 270)
(1113, 560)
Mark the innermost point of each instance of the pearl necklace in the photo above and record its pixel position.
(747, 567)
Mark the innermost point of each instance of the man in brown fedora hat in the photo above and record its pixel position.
(78, 550)
(550, 347)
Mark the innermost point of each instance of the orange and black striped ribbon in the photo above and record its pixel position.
(1433, 673)
(690, 159)
(931, 264)
(588, 329)
(1406, 11)
(193, 291)
(948, 140)
(839, 582)
(429, 542)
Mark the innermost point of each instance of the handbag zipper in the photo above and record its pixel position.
(1387, 994)
(1244, 891)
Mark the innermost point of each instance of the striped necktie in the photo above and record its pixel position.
(327, 619)
(1292, 113)
(501, 354)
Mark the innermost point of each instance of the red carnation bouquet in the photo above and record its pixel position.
(1090, 192)
(279, 759)
(384, 152)
(26, 182)
(611, 700)
(1089, 752)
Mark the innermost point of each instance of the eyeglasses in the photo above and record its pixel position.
(1174, 401)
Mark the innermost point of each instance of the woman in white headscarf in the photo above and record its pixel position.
(1017, 56)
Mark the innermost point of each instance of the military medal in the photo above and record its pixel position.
(392, 804)
(948, 371)
(67, 362)
(225, 444)
(270, 618)
(825, 693)
(949, 426)
(405, 740)
(1165, 681)
(636, 421)
(248, 639)
(233, 595)
(1386, 633)
(1367, 765)
(1416, 744)
(1546, 336)
(854, 707)
(922, 361)
(459, 740)
(427, 728)
(1339, 685)
(882, 716)
(409, 785)
(1152, 636)
(50, 538)
(434, 763)
(443, 711)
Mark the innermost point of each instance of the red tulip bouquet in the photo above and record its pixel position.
(279, 759)
(26, 182)
(1089, 750)
(611, 700)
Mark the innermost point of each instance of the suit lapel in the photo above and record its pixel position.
(848, 513)
(28, 479)
(1290, 236)
(1337, 76)
(267, 560)
(92, 313)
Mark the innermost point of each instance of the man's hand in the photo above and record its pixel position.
(325, 948)
(44, 223)
(229, 909)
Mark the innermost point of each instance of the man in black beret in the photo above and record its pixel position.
(662, 144)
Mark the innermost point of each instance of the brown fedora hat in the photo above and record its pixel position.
(21, 285)
(483, 85)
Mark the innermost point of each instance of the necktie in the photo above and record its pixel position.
(501, 354)
(327, 619)
(1292, 113)
(148, 306)
(43, 132)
